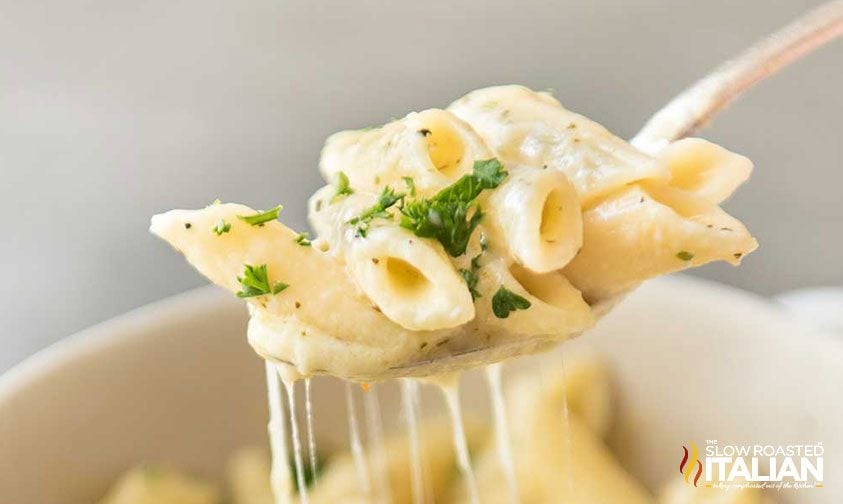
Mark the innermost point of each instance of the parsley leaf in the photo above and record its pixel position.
(411, 186)
(445, 216)
(470, 275)
(261, 218)
(684, 255)
(471, 278)
(221, 227)
(255, 282)
(343, 187)
(387, 198)
(506, 301)
(303, 239)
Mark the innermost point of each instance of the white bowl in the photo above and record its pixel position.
(176, 382)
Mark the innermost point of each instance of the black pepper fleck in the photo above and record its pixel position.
(188, 225)
(424, 132)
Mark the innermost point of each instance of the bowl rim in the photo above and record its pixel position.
(113, 331)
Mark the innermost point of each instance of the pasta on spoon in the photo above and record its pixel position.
(504, 223)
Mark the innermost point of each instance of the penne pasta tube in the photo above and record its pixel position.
(707, 170)
(432, 147)
(329, 217)
(589, 393)
(557, 459)
(303, 331)
(411, 280)
(642, 233)
(525, 127)
(339, 483)
(556, 307)
(537, 215)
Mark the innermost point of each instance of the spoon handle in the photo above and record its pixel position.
(698, 104)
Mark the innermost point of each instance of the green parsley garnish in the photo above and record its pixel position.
(387, 198)
(303, 239)
(445, 216)
(685, 255)
(505, 301)
(255, 282)
(221, 227)
(411, 185)
(471, 278)
(261, 218)
(343, 187)
(470, 275)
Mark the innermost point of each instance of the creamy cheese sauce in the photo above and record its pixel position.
(494, 376)
(357, 451)
(452, 400)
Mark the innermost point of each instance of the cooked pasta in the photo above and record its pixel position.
(522, 126)
(537, 215)
(557, 457)
(410, 280)
(709, 171)
(433, 147)
(645, 232)
(505, 223)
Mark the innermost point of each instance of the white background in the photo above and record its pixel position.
(112, 110)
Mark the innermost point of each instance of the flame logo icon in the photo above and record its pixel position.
(689, 460)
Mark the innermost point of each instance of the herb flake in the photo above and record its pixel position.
(506, 301)
(221, 227)
(303, 239)
(387, 198)
(261, 218)
(411, 186)
(445, 216)
(343, 187)
(255, 282)
(684, 255)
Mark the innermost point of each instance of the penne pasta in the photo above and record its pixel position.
(537, 215)
(556, 460)
(525, 127)
(556, 307)
(704, 169)
(305, 332)
(644, 232)
(459, 237)
(432, 147)
(410, 280)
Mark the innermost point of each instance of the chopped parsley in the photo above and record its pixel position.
(261, 218)
(684, 255)
(387, 198)
(303, 239)
(255, 282)
(221, 227)
(506, 301)
(343, 187)
(411, 186)
(470, 275)
(445, 216)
